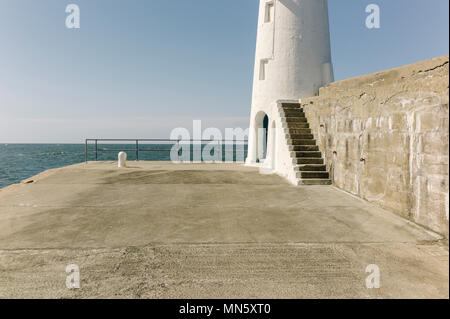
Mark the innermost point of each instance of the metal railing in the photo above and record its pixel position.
(169, 142)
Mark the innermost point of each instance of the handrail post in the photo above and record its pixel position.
(96, 150)
(137, 150)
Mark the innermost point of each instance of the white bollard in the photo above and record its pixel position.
(122, 159)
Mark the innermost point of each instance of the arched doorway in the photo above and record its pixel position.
(261, 130)
(265, 132)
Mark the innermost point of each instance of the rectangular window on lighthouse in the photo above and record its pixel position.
(269, 12)
(262, 69)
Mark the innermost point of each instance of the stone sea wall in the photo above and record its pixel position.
(385, 138)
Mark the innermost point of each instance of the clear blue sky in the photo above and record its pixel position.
(140, 68)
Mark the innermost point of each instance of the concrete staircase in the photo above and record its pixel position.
(309, 165)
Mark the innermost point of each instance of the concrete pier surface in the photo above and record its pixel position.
(164, 230)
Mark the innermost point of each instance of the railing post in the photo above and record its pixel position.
(96, 150)
(85, 151)
(137, 150)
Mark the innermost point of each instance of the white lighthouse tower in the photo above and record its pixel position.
(293, 60)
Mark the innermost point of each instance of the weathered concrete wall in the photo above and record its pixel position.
(385, 137)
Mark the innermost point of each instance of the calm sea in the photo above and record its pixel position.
(21, 161)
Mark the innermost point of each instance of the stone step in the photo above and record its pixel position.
(300, 148)
(296, 116)
(307, 154)
(293, 125)
(300, 136)
(295, 120)
(313, 175)
(292, 109)
(291, 106)
(298, 131)
(301, 142)
(292, 113)
(314, 182)
(311, 168)
(304, 160)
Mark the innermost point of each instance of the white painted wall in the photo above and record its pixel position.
(293, 42)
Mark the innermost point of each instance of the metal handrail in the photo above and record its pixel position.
(138, 149)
